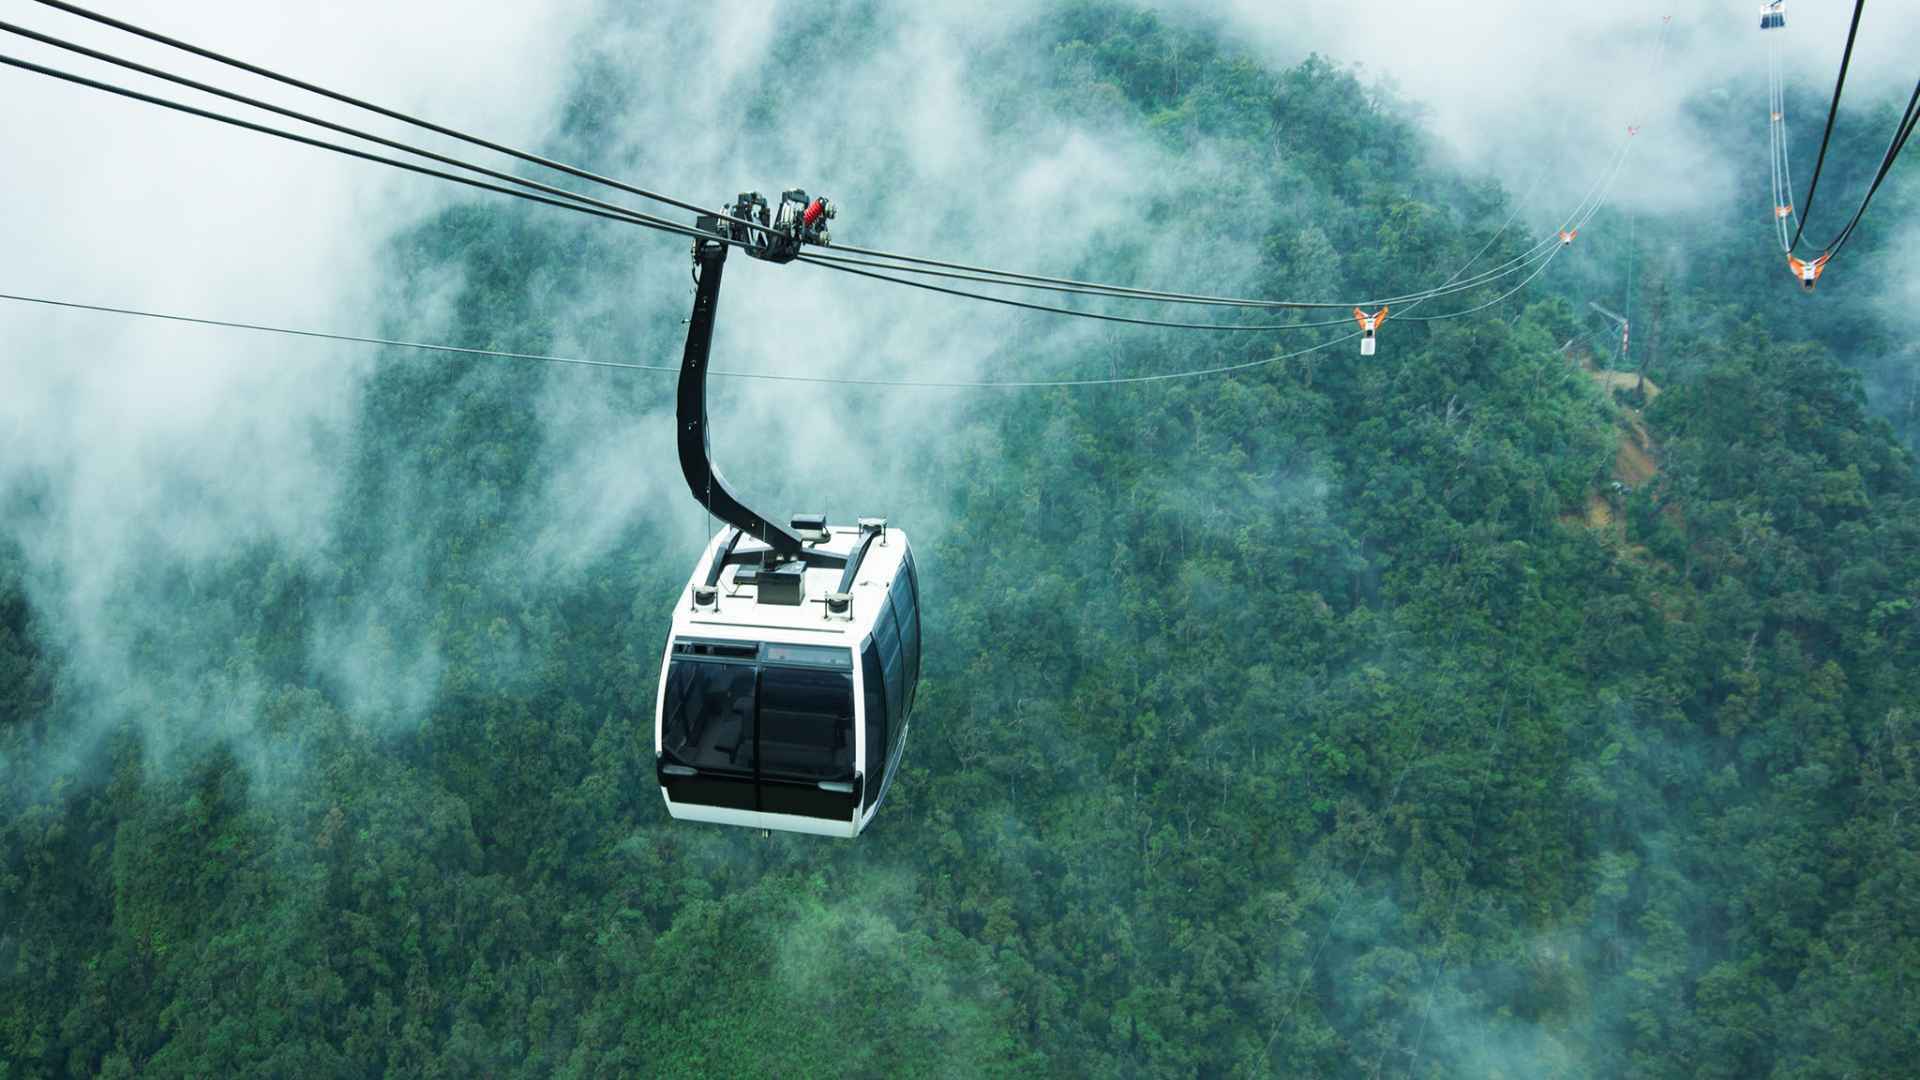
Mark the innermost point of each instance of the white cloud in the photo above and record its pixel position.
(162, 444)
(1519, 87)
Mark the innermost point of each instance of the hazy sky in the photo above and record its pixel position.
(1516, 85)
(167, 444)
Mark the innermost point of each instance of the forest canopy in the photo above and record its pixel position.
(1494, 706)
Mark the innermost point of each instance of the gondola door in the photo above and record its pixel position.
(807, 744)
(762, 728)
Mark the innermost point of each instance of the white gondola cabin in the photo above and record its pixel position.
(785, 696)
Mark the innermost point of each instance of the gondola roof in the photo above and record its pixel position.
(739, 614)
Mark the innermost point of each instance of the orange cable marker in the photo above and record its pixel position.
(1808, 271)
(1368, 324)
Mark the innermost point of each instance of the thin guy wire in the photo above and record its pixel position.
(994, 384)
(1552, 253)
(1786, 160)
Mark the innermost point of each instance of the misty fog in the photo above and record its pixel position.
(150, 471)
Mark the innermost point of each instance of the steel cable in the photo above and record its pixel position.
(559, 198)
(570, 202)
(564, 199)
(1900, 135)
(1833, 110)
(1011, 279)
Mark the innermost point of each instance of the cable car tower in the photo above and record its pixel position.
(794, 656)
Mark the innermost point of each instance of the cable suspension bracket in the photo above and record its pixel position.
(782, 549)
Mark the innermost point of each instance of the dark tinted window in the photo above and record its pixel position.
(906, 606)
(886, 637)
(708, 722)
(876, 705)
(806, 723)
(740, 650)
(886, 631)
(913, 582)
(811, 655)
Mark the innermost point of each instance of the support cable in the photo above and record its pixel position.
(637, 216)
(1022, 280)
(1900, 135)
(1550, 249)
(1552, 253)
(564, 199)
(567, 200)
(570, 203)
(1485, 277)
(1787, 186)
(1588, 205)
(359, 103)
(1833, 110)
(573, 201)
(1777, 150)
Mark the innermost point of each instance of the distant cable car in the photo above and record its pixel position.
(794, 655)
(1368, 324)
(1773, 15)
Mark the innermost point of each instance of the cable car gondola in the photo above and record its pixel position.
(794, 657)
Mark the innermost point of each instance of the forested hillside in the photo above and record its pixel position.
(1458, 711)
